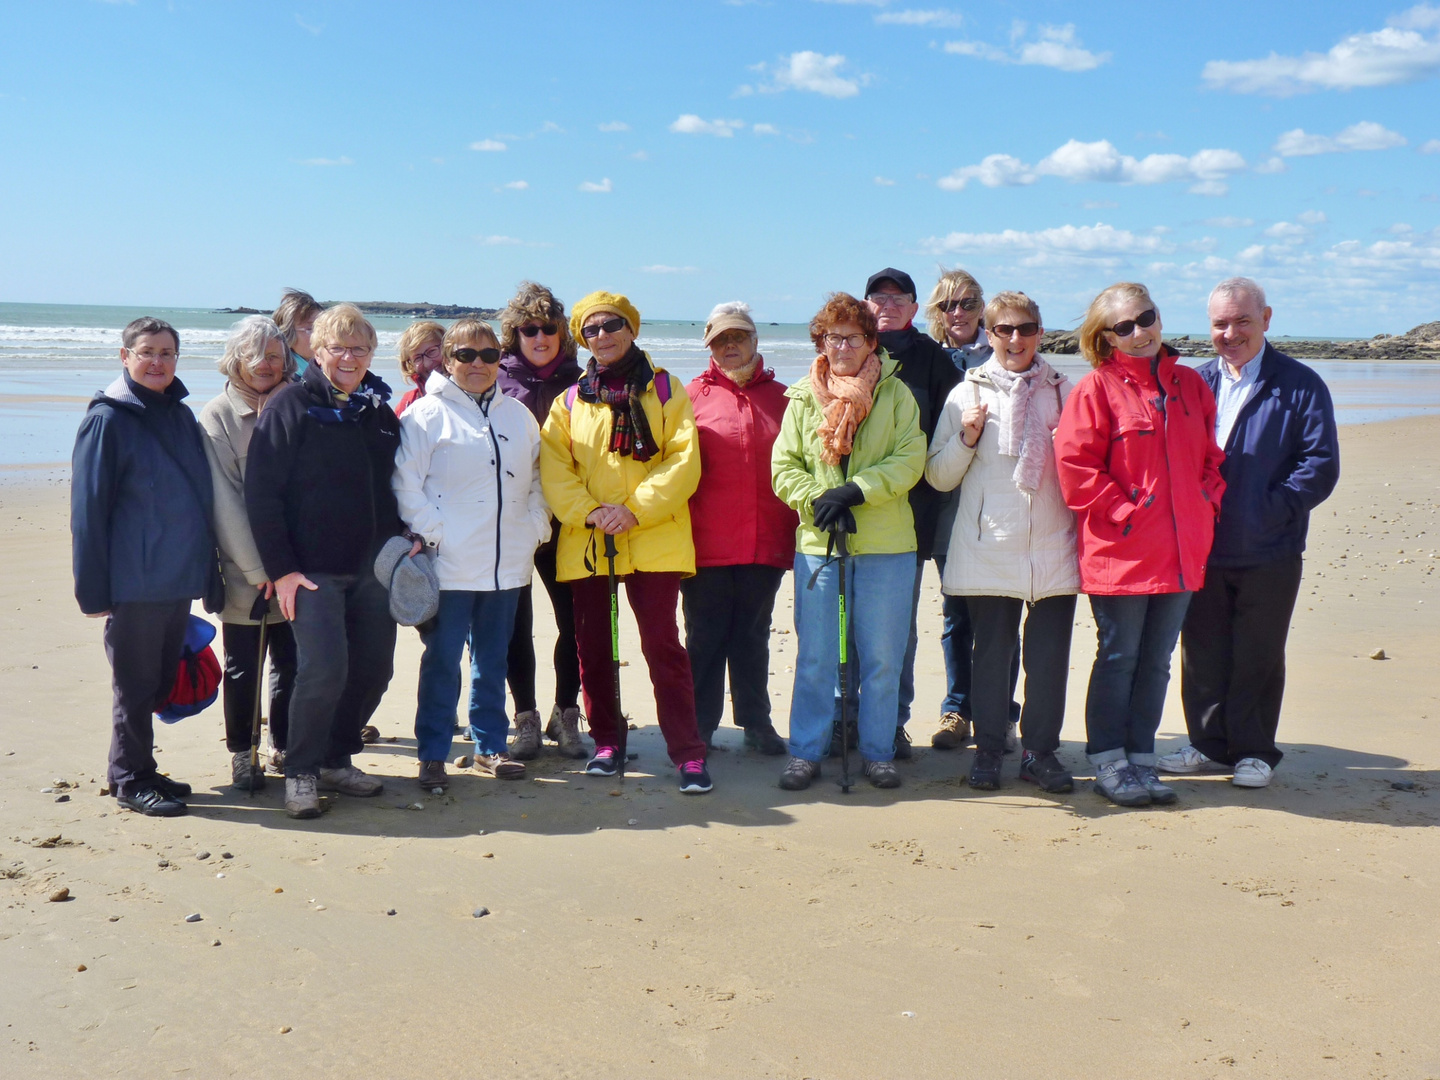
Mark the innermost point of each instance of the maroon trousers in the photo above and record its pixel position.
(653, 599)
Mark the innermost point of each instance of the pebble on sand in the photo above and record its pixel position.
(226, 855)
(163, 863)
(202, 855)
(81, 967)
(1379, 654)
(390, 911)
(215, 942)
(194, 917)
(1403, 785)
(285, 1030)
(59, 896)
(480, 912)
(278, 889)
(62, 798)
(463, 761)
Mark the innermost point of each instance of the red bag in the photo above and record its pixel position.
(197, 682)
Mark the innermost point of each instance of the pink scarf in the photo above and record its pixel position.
(845, 401)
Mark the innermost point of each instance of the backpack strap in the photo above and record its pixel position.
(662, 387)
(570, 397)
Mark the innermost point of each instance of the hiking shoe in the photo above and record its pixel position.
(985, 770)
(882, 774)
(432, 775)
(765, 739)
(902, 744)
(1118, 783)
(348, 780)
(1160, 792)
(301, 801)
(1251, 772)
(798, 773)
(526, 743)
(501, 766)
(1046, 770)
(954, 732)
(1012, 738)
(243, 775)
(694, 778)
(152, 802)
(854, 729)
(1187, 761)
(369, 734)
(603, 763)
(564, 730)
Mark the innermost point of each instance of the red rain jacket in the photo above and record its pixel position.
(1144, 482)
(735, 516)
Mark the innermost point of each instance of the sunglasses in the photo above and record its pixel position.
(970, 303)
(549, 330)
(1025, 329)
(469, 356)
(609, 326)
(1144, 320)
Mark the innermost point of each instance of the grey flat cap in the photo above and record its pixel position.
(411, 580)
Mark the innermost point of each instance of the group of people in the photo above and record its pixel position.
(1176, 499)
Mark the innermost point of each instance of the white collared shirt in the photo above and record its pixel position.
(1234, 391)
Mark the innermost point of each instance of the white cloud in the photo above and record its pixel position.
(1431, 147)
(948, 20)
(1406, 50)
(1312, 217)
(997, 170)
(500, 241)
(1056, 47)
(1229, 222)
(1271, 166)
(1102, 162)
(640, 155)
(516, 185)
(488, 146)
(661, 268)
(765, 129)
(811, 72)
(882, 181)
(1362, 136)
(1287, 232)
(603, 187)
(615, 125)
(690, 124)
(1099, 244)
(325, 161)
(309, 28)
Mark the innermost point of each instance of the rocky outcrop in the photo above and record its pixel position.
(1421, 343)
(422, 310)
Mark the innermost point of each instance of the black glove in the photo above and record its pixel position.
(831, 509)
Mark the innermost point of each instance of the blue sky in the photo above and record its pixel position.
(206, 153)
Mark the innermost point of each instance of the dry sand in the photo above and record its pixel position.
(634, 932)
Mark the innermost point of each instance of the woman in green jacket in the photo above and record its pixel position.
(850, 449)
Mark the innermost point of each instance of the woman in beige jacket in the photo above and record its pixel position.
(1012, 548)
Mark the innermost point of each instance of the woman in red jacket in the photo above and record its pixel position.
(1139, 466)
(744, 535)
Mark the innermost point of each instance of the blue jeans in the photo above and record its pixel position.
(487, 619)
(1136, 637)
(878, 599)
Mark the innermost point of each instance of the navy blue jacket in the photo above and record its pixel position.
(1282, 460)
(140, 500)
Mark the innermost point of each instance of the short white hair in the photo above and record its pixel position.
(1240, 286)
(730, 307)
(245, 347)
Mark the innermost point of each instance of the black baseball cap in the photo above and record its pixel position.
(899, 277)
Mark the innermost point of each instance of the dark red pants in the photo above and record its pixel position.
(653, 599)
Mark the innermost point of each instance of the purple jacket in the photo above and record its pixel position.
(536, 388)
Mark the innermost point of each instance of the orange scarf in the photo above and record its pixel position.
(845, 401)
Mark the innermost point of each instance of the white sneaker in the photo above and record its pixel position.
(1188, 761)
(1252, 772)
(350, 781)
(300, 798)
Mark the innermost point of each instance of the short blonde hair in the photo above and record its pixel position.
(1011, 301)
(1099, 314)
(464, 329)
(415, 337)
(342, 320)
(951, 284)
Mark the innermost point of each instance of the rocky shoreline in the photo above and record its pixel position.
(422, 310)
(1420, 344)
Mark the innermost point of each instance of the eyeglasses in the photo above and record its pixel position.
(970, 303)
(549, 330)
(355, 352)
(1144, 320)
(890, 299)
(847, 341)
(149, 356)
(469, 356)
(1025, 329)
(609, 326)
(432, 354)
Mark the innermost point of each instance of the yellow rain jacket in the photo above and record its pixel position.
(578, 473)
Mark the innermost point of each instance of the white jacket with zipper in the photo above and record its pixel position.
(1005, 542)
(467, 479)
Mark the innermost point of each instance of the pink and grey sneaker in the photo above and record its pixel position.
(694, 778)
(603, 763)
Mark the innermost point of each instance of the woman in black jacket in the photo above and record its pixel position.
(317, 492)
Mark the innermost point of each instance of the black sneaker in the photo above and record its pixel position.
(603, 763)
(173, 789)
(1046, 770)
(694, 778)
(985, 770)
(152, 802)
(902, 744)
(765, 739)
(798, 773)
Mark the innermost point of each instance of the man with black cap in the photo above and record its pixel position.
(924, 366)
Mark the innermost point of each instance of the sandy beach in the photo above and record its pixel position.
(932, 931)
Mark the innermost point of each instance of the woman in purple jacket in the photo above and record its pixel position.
(537, 365)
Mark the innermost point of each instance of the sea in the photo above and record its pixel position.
(54, 357)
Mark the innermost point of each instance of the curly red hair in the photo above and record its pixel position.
(839, 308)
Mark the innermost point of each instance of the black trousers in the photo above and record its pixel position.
(727, 624)
(242, 657)
(1046, 657)
(520, 661)
(1232, 659)
(142, 641)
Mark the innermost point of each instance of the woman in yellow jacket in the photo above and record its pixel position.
(619, 455)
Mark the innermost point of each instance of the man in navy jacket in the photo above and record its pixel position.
(142, 545)
(1276, 423)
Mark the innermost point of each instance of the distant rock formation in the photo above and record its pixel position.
(422, 310)
(1421, 343)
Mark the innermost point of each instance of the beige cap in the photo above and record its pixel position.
(732, 316)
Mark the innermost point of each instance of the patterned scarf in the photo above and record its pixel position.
(1023, 433)
(845, 401)
(370, 394)
(630, 430)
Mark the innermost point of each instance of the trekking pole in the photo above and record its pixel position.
(840, 550)
(620, 720)
(258, 611)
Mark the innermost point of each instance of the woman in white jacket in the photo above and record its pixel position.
(1012, 548)
(467, 480)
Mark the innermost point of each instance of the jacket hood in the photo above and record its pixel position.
(122, 393)
(801, 386)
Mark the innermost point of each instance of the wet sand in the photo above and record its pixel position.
(932, 931)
